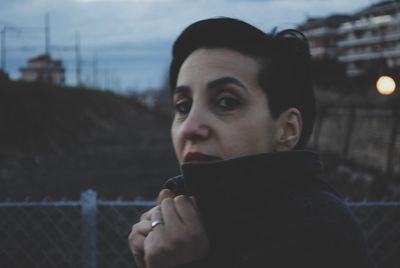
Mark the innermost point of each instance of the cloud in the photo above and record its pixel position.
(137, 34)
(116, 21)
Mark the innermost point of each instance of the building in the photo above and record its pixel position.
(43, 68)
(323, 35)
(370, 42)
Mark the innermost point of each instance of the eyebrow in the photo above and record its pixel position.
(214, 84)
(181, 90)
(225, 80)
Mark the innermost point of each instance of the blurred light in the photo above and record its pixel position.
(385, 85)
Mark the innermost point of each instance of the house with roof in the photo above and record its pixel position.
(44, 69)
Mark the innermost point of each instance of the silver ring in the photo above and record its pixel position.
(155, 223)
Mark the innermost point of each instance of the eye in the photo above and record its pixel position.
(183, 106)
(228, 103)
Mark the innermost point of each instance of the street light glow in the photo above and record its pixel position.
(385, 85)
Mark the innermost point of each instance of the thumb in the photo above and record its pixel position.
(165, 193)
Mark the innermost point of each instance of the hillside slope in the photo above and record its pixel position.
(56, 142)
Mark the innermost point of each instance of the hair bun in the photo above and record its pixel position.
(293, 43)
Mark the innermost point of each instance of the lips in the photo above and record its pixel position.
(199, 157)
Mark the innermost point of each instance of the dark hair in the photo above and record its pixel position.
(284, 60)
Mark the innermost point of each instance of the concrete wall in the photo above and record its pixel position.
(369, 136)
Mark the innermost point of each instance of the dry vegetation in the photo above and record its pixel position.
(56, 142)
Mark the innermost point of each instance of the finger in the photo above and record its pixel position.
(169, 214)
(194, 201)
(156, 216)
(186, 210)
(142, 227)
(147, 214)
(136, 244)
(139, 259)
(165, 193)
(137, 248)
(196, 206)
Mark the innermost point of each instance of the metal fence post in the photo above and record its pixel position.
(318, 127)
(392, 143)
(89, 232)
(349, 131)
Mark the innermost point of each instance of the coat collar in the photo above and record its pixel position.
(244, 176)
(249, 173)
(244, 184)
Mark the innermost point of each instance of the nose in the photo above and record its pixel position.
(196, 126)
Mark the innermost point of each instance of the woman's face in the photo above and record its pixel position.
(220, 110)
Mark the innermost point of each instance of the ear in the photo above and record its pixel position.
(290, 128)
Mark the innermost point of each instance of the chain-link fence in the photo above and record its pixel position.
(380, 222)
(93, 233)
(86, 233)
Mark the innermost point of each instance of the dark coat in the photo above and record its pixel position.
(272, 210)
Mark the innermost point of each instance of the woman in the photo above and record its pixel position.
(249, 194)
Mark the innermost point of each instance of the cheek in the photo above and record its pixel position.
(265, 139)
(175, 139)
(253, 138)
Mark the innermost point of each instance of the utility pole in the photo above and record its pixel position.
(78, 59)
(106, 77)
(95, 71)
(47, 47)
(3, 48)
(5, 29)
(392, 142)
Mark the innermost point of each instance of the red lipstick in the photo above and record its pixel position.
(199, 157)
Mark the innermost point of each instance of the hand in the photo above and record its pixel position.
(180, 239)
(141, 229)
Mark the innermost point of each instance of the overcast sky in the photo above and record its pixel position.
(131, 39)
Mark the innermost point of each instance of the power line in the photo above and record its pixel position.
(108, 79)
(47, 46)
(78, 59)
(7, 27)
(95, 71)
